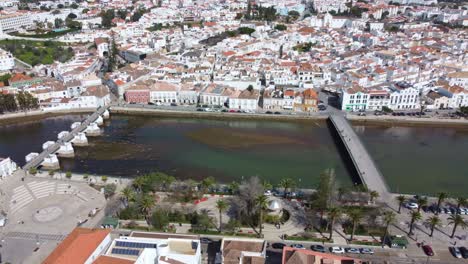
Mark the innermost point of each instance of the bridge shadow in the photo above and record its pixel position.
(344, 155)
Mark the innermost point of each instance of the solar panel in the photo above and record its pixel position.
(125, 251)
(134, 244)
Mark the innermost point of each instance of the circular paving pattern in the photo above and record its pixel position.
(48, 214)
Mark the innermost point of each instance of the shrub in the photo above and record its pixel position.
(33, 171)
(51, 173)
(104, 178)
(86, 176)
(68, 174)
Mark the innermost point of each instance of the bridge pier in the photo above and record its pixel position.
(51, 162)
(99, 121)
(80, 140)
(106, 114)
(66, 150)
(31, 156)
(62, 134)
(75, 125)
(47, 144)
(93, 130)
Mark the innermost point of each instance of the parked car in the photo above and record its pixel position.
(267, 193)
(428, 250)
(277, 113)
(173, 104)
(464, 252)
(268, 112)
(455, 252)
(368, 251)
(337, 250)
(352, 250)
(318, 248)
(206, 240)
(299, 246)
(278, 245)
(232, 111)
(412, 205)
(200, 109)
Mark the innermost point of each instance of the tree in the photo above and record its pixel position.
(415, 217)
(58, 23)
(262, 203)
(122, 13)
(233, 187)
(109, 189)
(138, 14)
(68, 174)
(221, 205)
(245, 203)
(441, 197)
(250, 88)
(457, 221)
(433, 222)
(112, 56)
(84, 11)
(146, 203)
(159, 219)
(461, 201)
(389, 218)
(106, 18)
(138, 183)
(373, 195)
(287, 184)
(334, 214)
(72, 16)
(281, 27)
(421, 201)
(207, 183)
(245, 30)
(128, 194)
(355, 215)
(74, 6)
(401, 200)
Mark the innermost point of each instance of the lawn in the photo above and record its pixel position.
(38, 52)
(50, 34)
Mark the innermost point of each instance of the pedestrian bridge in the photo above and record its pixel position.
(37, 160)
(365, 166)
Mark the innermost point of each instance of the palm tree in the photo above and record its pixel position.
(389, 218)
(261, 201)
(355, 215)
(456, 220)
(441, 197)
(128, 194)
(138, 182)
(373, 195)
(433, 222)
(461, 201)
(342, 191)
(401, 200)
(146, 204)
(287, 183)
(421, 201)
(415, 217)
(334, 214)
(221, 205)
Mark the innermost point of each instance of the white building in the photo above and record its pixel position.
(7, 167)
(458, 78)
(163, 93)
(7, 61)
(102, 47)
(13, 22)
(404, 98)
(150, 248)
(244, 100)
(354, 99)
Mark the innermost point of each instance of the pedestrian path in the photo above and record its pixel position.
(35, 236)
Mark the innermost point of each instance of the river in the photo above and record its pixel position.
(412, 159)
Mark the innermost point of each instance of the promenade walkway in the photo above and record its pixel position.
(53, 148)
(364, 164)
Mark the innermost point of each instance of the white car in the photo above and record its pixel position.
(412, 206)
(267, 193)
(337, 250)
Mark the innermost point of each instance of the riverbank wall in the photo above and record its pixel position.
(212, 115)
(406, 121)
(35, 114)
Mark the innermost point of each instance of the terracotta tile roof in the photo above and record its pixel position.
(77, 246)
(19, 77)
(112, 260)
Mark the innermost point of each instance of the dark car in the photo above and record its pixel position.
(464, 252)
(200, 109)
(268, 112)
(428, 250)
(224, 110)
(173, 104)
(277, 113)
(318, 248)
(278, 245)
(205, 240)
